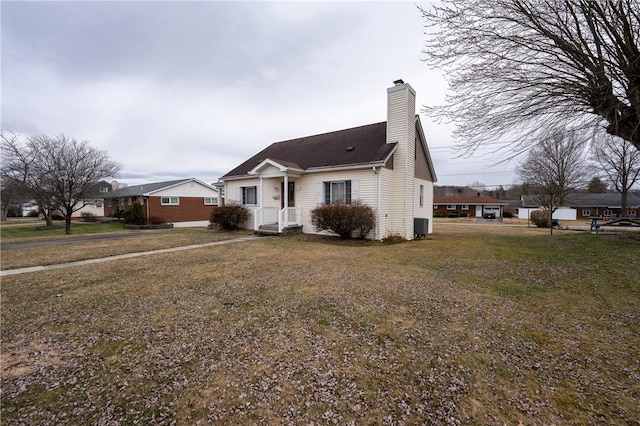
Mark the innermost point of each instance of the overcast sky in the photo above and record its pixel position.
(191, 89)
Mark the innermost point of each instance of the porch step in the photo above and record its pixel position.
(272, 229)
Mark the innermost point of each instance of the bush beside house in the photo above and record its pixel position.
(344, 219)
(230, 217)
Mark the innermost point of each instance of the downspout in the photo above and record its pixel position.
(146, 201)
(286, 204)
(375, 203)
(261, 207)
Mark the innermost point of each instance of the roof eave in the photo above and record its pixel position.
(355, 166)
(426, 149)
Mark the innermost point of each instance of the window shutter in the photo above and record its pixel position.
(355, 190)
(320, 193)
(239, 195)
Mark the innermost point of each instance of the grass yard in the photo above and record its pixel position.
(474, 325)
(80, 245)
(25, 229)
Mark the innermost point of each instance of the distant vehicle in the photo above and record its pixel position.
(489, 215)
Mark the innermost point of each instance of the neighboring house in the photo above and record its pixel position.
(468, 206)
(95, 205)
(184, 200)
(386, 165)
(585, 205)
(94, 202)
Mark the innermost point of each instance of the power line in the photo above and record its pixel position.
(476, 173)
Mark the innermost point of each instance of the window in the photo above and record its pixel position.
(586, 212)
(104, 189)
(435, 206)
(451, 206)
(99, 205)
(465, 207)
(337, 191)
(249, 195)
(421, 195)
(169, 201)
(608, 213)
(210, 201)
(631, 213)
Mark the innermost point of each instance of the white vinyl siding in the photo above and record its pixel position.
(425, 211)
(310, 191)
(401, 129)
(187, 189)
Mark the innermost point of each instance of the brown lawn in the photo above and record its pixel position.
(474, 325)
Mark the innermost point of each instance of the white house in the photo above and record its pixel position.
(93, 203)
(386, 165)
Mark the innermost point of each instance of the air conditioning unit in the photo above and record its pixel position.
(420, 226)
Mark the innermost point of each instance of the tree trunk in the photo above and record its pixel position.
(67, 224)
(47, 217)
(623, 203)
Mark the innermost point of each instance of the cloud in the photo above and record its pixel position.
(191, 89)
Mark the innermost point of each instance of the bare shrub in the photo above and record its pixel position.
(346, 220)
(88, 217)
(540, 218)
(230, 217)
(393, 238)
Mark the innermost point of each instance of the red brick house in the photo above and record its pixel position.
(185, 200)
(585, 205)
(468, 206)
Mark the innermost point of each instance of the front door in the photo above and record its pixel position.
(291, 194)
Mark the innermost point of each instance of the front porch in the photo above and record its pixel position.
(276, 212)
(270, 221)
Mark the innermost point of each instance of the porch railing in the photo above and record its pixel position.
(257, 218)
(265, 215)
(289, 216)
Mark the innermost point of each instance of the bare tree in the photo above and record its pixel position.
(552, 168)
(12, 194)
(518, 67)
(20, 168)
(620, 162)
(59, 172)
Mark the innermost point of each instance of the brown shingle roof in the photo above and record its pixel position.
(355, 146)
